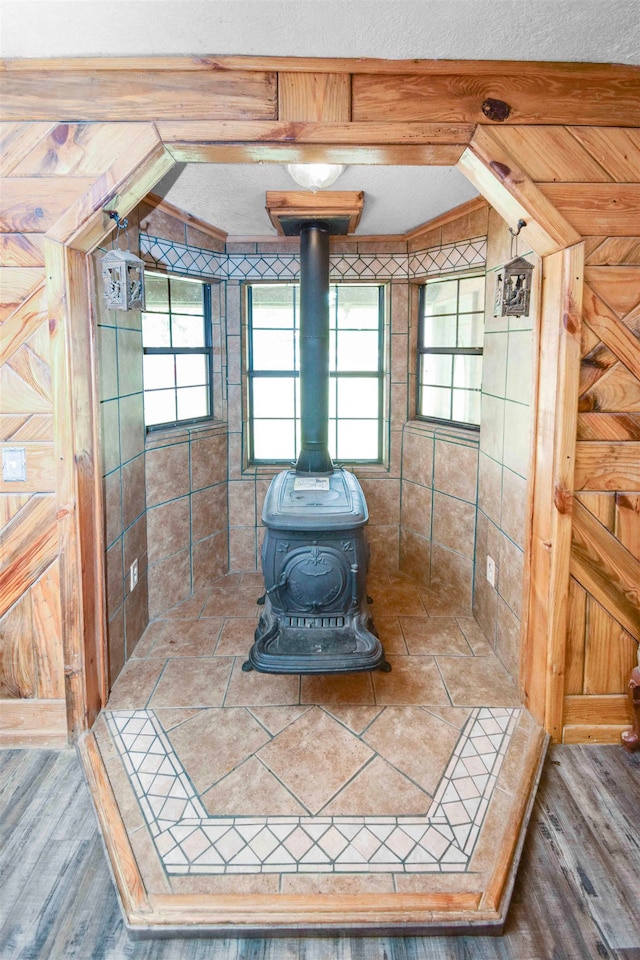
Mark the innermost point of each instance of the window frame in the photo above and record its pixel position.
(334, 375)
(206, 351)
(445, 351)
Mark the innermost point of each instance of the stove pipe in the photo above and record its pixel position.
(314, 454)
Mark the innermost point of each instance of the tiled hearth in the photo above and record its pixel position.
(363, 789)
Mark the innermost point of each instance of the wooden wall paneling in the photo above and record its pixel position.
(33, 205)
(613, 709)
(597, 209)
(543, 660)
(75, 410)
(314, 96)
(20, 250)
(608, 386)
(617, 150)
(576, 632)
(607, 570)
(17, 667)
(558, 97)
(16, 284)
(40, 468)
(618, 286)
(123, 95)
(10, 504)
(29, 544)
(607, 466)
(610, 653)
(627, 522)
(609, 426)
(24, 321)
(46, 626)
(621, 340)
(608, 251)
(489, 166)
(33, 723)
(601, 505)
(443, 155)
(552, 154)
(17, 140)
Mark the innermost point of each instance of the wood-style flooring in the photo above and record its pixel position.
(576, 895)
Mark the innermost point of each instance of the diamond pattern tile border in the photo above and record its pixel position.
(189, 841)
(195, 261)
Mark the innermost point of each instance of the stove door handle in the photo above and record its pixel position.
(282, 582)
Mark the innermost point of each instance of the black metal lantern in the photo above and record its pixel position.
(123, 280)
(513, 289)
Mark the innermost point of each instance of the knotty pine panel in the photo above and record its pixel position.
(627, 521)
(608, 426)
(33, 205)
(40, 468)
(576, 634)
(17, 140)
(16, 284)
(607, 466)
(552, 154)
(29, 545)
(610, 653)
(612, 251)
(78, 149)
(616, 390)
(597, 209)
(23, 322)
(616, 150)
(618, 286)
(22, 250)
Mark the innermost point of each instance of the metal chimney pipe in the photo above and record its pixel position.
(314, 454)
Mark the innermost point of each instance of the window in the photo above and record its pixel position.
(355, 364)
(450, 349)
(176, 341)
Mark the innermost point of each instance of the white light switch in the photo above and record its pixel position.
(14, 464)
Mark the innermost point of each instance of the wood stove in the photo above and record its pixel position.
(315, 556)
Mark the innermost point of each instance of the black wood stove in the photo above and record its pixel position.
(315, 556)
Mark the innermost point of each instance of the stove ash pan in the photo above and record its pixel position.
(314, 559)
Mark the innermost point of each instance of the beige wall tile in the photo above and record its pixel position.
(198, 238)
(233, 307)
(399, 405)
(129, 362)
(494, 364)
(107, 363)
(114, 577)
(132, 431)
(485, 600)
(110, 435)
(519, 366)
(517, 429)
(169, 582)
(508, 639)
(159, 224)
(492, 427)
(452, 577)
(208, 461)
(415, 508)
(455, 470)
(415, 556)
(210, 559)
(417, 458)
(242, 503)
(209, 512)
(384, 544)
(136, 614)
(383, 500)
(168, 528)
(112, 506)
(511, 572)
(242, 548)
(399, 357)
(115, 645)
(135, 545)
(167, 473)
(133, 490)
(514, 502)
(399, 307)
(454, 524)
(490, 487)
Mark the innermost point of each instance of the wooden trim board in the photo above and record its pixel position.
(33, 723)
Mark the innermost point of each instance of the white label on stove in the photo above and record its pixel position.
(311, 483)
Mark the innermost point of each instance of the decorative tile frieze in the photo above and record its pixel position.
(191, 841)
(195, 261)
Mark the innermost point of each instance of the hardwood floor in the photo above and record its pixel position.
(576, 895)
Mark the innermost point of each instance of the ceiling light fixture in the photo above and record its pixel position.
(315, 176)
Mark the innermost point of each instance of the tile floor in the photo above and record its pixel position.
(245, 782)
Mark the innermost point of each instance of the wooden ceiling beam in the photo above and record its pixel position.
(433, 155)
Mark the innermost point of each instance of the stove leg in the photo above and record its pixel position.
(247, 666)
(385, 667)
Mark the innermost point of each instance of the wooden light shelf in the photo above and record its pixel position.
(287, 209)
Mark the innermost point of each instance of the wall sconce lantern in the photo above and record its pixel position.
(122, 275)
(513, 283)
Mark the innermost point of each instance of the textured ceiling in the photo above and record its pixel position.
(396, 199)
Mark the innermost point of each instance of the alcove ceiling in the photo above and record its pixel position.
(397, 199)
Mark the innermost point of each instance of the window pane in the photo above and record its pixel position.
(156, 329)
(436, 402)
(191, 370)
(358, 397)
(357, 440)
(186, 296)
(436, 370)
(471, 296)
(440, 297)
(272, 306)
(467, 372)
(357, 308)
(192, 403)
(273, 396)
(159, 406)
(272, 349)
(273, 439)
(358, 350)
(187, 331)
(156, 293)
(470, 330)
(439, 332)
(466, 406)
(158, 371)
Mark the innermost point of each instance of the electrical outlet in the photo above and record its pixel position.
(133, 575)
(491, 570)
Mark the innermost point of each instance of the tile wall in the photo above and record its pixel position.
(503, 466)
(119, 350)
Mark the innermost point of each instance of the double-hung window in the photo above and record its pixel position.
(450, 349)
(176, 342)
(356, 377)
